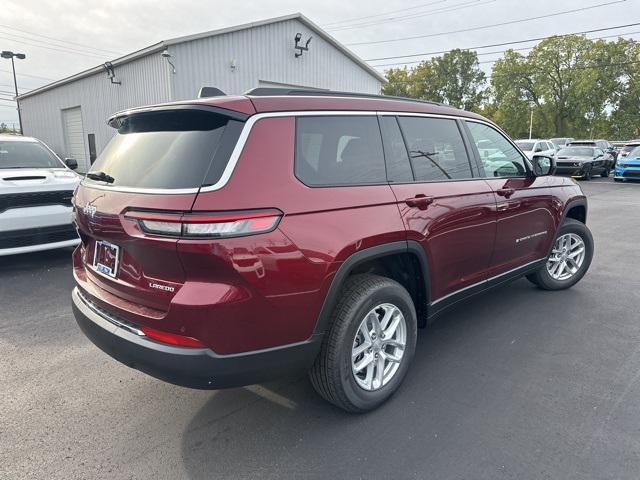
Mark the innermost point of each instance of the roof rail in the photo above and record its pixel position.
(276, 91)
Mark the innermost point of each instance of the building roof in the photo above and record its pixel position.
(156, 47)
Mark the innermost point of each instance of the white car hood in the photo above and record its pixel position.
(22, 180)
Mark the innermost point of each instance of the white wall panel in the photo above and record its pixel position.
(265, 53)
(144, 81)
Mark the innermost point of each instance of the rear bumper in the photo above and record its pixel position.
(189, 367)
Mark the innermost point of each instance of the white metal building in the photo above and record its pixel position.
(70, 114)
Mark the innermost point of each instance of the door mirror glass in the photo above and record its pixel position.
(72, 163)
(543, 165)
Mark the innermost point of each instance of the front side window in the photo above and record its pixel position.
(339, 150)
(499, 157)
(436, 149)
(20, 154)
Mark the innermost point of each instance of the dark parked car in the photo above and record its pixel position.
(611, 153)
(583, 162)
(231, 240)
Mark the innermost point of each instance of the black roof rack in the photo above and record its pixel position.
(277, 91)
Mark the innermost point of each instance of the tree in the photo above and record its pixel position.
(3, 127)
(454, 79)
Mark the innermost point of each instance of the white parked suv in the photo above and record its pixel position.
(537, 147)
(36, 188)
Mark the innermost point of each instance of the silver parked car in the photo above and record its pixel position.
(36, 188)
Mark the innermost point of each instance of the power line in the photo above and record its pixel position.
(60, 49)
(384, 13)
(59, 40)
(27, 75)
(452, 8)
(505, 43)
(482, 27)
(502, 51)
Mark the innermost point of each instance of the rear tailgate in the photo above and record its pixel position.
(154, 165)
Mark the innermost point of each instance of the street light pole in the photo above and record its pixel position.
(531, 124)
(21, 56)
(15, 84)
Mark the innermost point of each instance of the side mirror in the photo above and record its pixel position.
(72, 163)
(543, 165)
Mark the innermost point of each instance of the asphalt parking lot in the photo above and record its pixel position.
(518, 383)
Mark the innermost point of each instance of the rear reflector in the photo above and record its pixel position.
(209, 225)
(171, 338)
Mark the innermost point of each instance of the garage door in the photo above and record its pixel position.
(74, 137)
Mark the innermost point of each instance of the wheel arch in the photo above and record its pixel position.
(380, 256)
(576, 209)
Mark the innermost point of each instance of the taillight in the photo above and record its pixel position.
(171, 338)
(207, 225)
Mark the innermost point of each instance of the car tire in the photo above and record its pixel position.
(549, 279)
(605, 173)
(617, 180)
(333, 374)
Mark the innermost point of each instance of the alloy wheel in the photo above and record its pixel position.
(378, 347)
(566, 257)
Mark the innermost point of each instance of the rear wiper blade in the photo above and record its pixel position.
(101, 177)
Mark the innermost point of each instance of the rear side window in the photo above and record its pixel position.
(436, 149)
(168, 149)
(339, 150)
(395, 151)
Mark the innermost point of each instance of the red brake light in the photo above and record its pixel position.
(207, 225)
(171, 338)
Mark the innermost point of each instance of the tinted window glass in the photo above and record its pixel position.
(395, 151)
(576, 151)
(19, 154)
(339, 150)
(499, 157)
(436, 149)
(165, 149)
(526, 146)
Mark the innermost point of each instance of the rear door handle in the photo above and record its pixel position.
(505, 192)
(420, 201)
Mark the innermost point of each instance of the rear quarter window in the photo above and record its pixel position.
(339, 150)
(168, 149)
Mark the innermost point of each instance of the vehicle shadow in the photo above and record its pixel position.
(35, 261)
(268, 430)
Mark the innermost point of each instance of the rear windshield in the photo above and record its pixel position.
(167, 149)
(19, 154)
(525, 146)
(576, 151)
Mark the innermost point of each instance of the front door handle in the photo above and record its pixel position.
(505, 192)
(420, 201)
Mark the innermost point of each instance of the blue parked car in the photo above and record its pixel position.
(628, 167)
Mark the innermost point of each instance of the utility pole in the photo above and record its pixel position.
(21, 56)
(531, 124)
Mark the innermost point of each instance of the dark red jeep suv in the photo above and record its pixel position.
(230, 240)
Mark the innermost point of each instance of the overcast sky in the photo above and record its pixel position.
(64, 37)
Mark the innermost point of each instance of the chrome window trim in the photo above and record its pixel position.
(483, 282)
(244, 135)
